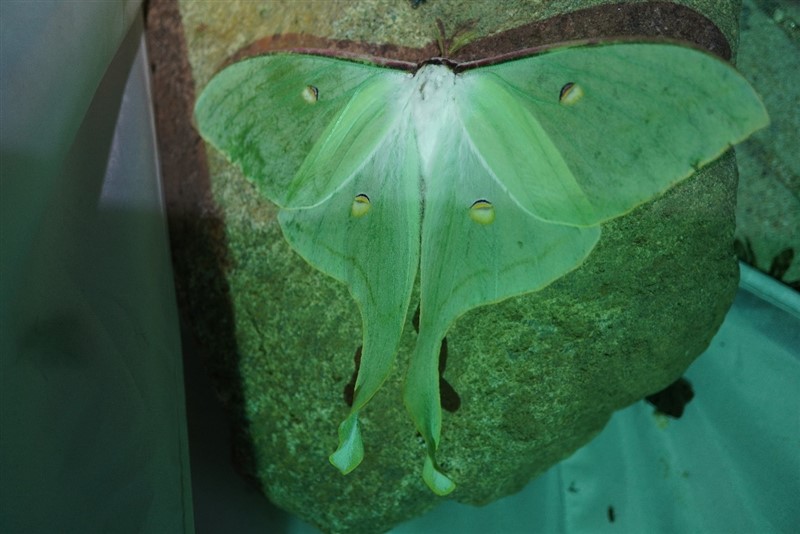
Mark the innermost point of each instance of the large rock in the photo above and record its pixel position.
(537, 376)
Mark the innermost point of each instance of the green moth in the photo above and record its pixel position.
(486, 180)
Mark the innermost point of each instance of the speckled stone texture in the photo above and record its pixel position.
(537, 376)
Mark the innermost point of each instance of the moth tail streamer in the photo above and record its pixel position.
(351, 449)
(437, 481)
(422, 400)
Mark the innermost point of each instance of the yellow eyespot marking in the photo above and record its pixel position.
(361, 206)
(482, 212)
(310, 94)
(570, 94)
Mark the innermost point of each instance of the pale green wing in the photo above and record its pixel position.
(328, 141)
(367, 235)
(478, 246)
(272, 114)
(544, 150)
(637, 119)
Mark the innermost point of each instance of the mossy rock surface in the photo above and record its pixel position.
(537, 376)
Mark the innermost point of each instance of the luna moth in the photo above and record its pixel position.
(482, 180)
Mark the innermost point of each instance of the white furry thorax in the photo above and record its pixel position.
(432, 107)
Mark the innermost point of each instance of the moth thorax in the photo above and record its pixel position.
(432, 108)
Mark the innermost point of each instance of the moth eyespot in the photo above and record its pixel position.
(361, 205)
(482, 212)
(570, 94)
(310, 94)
